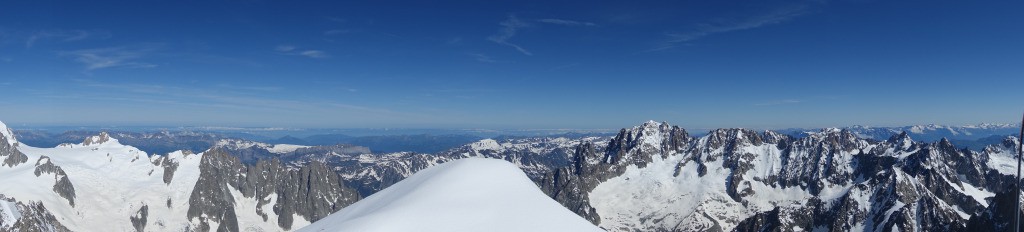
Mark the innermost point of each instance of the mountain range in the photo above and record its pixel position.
(651, 177)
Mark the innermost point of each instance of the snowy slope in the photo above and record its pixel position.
(112, 182)
(471, 194)
(103, 185)
(7, 133)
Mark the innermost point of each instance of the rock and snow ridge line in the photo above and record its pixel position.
(644, 180)
(121, 188)
(660, 157)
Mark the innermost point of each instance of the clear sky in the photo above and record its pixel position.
(515, 64)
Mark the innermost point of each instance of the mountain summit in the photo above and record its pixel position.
(471, 194)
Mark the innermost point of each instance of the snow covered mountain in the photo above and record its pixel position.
(655, 177)
(102, 185)
(652, 177)
(471, 194)
(371, 172)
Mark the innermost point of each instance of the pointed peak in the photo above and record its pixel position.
(101, 138)
(654, 124)
(902, 140)
(7, 134)
(1010, 142)
(773, 136)
(648, 127)
(901, 136)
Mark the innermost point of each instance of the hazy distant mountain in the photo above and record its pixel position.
(932, 132)
(423, 143)
(161, 142)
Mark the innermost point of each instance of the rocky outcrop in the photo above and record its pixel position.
(998, 216)
(139, 219)
(9, 154)
(848, 182)
(34, 217)
(62, 186)
(590, 166)
(312, 191)
(96, 139)
(169, 165)
(211, 199)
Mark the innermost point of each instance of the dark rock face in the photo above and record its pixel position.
(10, 154)
(169, 166)
(570, 185)
(211, 195)
(63, 186)
(312, 192)
(772, 221)
(998, 216)
(34, 218)
(139, 219)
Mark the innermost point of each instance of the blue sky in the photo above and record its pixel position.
(515, 64)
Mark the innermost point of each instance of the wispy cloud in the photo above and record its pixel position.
(724, 25)
(482, 58)
(295, 51)
(565, 22)
(219, 98)
(63, 36)
(779, 102)
(285, 48)
(314, 54)
(509, 28)
(113, 57)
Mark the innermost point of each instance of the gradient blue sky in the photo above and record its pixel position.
(514, 64)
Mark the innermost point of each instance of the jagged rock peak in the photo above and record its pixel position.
(101, 138)
(901, 138)
(836, 138)
(945, 143)
(1011, 142)
(774, 137)
(238, 144)
(652, 134)
(719, 137)
(9, 154)
(654, 124)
